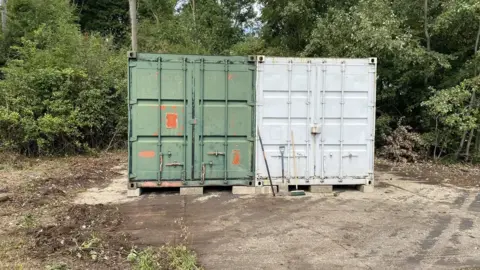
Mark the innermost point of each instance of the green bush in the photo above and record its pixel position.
(64, 92)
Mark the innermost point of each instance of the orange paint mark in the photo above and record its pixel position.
(181, 128)
(234, 134)
(183, 110)
(172, 120)
(155, 134)
(230, 76)
(146, 154)
(162, 107)
(179, 134)
(236, 157)
(174, 107)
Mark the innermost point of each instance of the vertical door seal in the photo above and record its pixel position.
(225, 162)
(159, 138)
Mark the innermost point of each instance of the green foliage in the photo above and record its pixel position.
(107, 17)
(452, 105)
(62, 64)
(208, 27)
(167, 257)
(63, 92)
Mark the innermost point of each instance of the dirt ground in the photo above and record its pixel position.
(79, 215)
(403, 225)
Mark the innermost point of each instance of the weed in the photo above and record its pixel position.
(92, 246)
(184, 231)
(147, 259)
(57, 266)
(28, 221)
(167, 257)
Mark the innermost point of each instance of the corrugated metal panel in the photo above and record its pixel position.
(191, 119)
(329, 105)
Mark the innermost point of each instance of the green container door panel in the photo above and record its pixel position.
(239, 119)
(239, 77)
(145, 160)
(143, 114)
(223, 149)
(238, 155)
(173, 162)
(144, 81)
(173, 79)
(183, 123)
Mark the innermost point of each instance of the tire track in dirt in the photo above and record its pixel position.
(436, 243)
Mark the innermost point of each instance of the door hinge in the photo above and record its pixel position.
(133, 139)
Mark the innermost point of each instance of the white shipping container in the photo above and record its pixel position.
(329, 105)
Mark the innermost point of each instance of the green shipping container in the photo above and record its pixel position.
(191, 120)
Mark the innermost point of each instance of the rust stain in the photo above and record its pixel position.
(230, 76)
(174, 107)
(179, 134)
(183, 110)
(162, 107)
(155, 134)
(181, 128)
(146, 154)
(236, 157)
(152, 184)
(172, 120)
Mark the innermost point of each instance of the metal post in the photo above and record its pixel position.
(133, 20)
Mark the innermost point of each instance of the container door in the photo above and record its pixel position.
(224, 109)
(286, 103)
(159, 134)
(346, 87)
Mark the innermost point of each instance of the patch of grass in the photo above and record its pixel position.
(57, 266)
(167, 257)
(28, 221)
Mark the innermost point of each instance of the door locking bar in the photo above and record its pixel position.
(216, 153)
(349, 156)
(204, 171)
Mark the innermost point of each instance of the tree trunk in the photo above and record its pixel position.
(427, 34)
(436, 140)
(462, 142)
(3, 10)
(133, 19)
(477, 43)
(477, 143)
(425, 24)
(469, 143)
